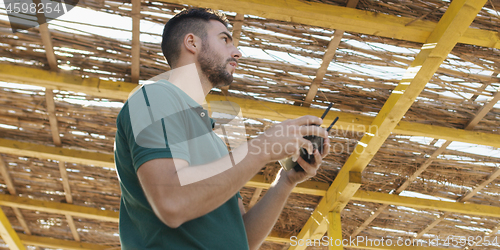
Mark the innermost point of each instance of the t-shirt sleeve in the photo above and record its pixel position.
(157, 125)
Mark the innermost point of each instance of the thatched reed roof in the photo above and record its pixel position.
(283, 52)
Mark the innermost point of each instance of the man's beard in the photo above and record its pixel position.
(212, 68)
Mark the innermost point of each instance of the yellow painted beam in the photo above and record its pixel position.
(250, 108)
(58, 208)
(78, 211)
(334, 231)
(343, 18)
(48, 242)
(307, 187)
(438, 45)
(354, 181)
(317, 225)
(447, 206)
(64, 81)
(56, 153)
(8, 234)
(277, 238)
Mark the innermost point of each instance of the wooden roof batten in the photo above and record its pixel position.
(436, 48)
(136, 42)
(327, 58)
(49, 97)
(12, 190)
(46, 38)
(8, 234)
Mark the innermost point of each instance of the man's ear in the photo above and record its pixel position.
(192, 43)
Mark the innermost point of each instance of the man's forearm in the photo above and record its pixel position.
(260, 219)
(190, 201)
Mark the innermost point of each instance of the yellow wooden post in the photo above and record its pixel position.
(334, 231)
(8, 234)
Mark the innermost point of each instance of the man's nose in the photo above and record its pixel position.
(236, 53)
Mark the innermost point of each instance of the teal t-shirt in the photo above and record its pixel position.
(161, 121)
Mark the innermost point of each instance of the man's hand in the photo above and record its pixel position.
(260, 219)
(287, 138)
(293, 177)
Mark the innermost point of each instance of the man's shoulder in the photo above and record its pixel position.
(160, 94)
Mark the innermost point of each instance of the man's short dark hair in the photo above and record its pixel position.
(188, 21)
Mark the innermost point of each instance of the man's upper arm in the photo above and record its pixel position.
(159, 181)
(156, 132)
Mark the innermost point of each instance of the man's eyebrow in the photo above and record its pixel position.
(227, 34)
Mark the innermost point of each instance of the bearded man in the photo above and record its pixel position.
(180, 185)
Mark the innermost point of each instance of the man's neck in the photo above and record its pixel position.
(189, 79)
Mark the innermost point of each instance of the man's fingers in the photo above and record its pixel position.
(326, 148)
(306, 120)
(313, 130)
(296, 155)
(317, 158)
(304, 143)
(308, 168)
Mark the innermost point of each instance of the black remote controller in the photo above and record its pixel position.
(317, 142)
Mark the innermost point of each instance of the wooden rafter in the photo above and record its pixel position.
(327, 58)
(446, 206)
(46, 38)
(6, 177)
(336, 17)
(237, 27)
(436, 48)
(12, 190)
(473, 122)
(136, 42)
(250, 108)
(54, 128)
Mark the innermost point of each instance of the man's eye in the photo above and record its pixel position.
(225, 39)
